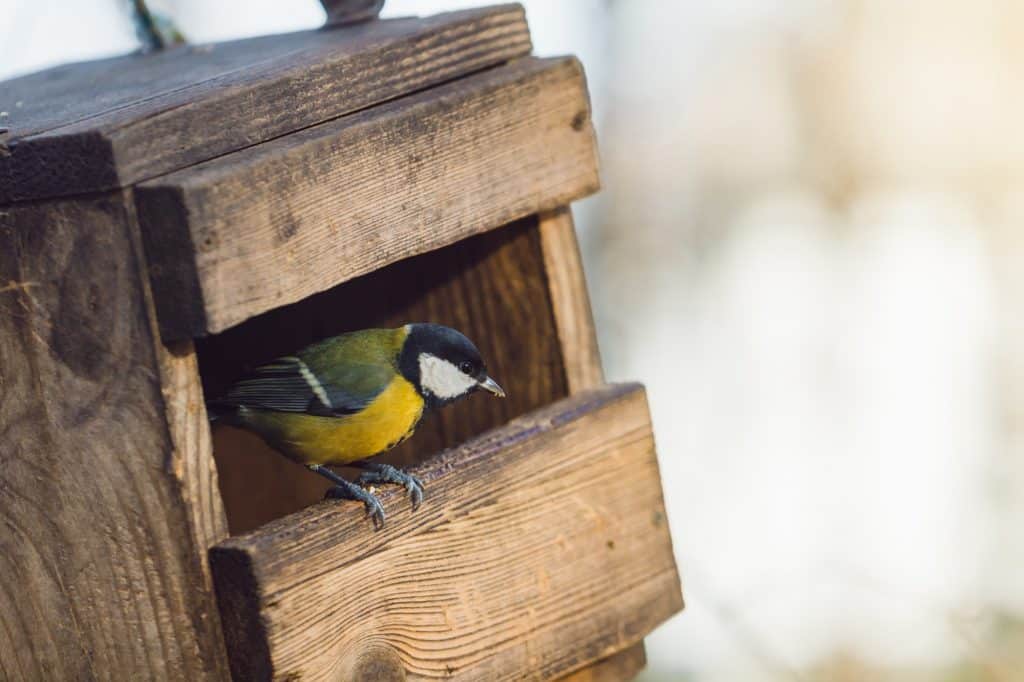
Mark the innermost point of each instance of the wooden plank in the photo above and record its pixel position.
(544, 547)
(621, 667)
(192, 463)
(97, 125)
(270, 225)
(570, 301)
(102, 570)
(574, 323)
(485, 286)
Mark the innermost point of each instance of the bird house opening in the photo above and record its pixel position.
(493, 287)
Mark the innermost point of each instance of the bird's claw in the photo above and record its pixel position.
(385, 473)
(415, 490)
(374, 509)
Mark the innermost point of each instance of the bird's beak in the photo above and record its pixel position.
(491, 386)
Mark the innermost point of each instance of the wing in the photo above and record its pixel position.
(290, 385)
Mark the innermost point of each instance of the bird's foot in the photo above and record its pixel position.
(349, 491)
(385, 473)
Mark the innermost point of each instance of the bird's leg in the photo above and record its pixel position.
(346, 490)
(385, 473)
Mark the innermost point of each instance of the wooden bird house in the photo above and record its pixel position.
(168, 220)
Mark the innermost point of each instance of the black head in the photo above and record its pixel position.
(443, 364)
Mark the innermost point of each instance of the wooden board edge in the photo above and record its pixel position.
(244, 631)
(570, 300)
(162, 211)
(619, 667)
(581, 356)
(34, 182)
(191, 462)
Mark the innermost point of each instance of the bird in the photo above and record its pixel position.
(348, 398)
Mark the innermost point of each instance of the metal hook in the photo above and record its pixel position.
(342, 12)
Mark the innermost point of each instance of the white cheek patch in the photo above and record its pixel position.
(442, 378)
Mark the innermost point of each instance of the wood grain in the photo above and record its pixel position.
(491, 287)
(574, 322)
(109, 123)
(569, 300)
(192, 463)
(270, 225)
(101, 559)
(544, 548)
(621, 667)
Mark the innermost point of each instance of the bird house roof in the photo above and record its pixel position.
(104, 124)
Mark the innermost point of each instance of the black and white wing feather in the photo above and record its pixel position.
(290, 385)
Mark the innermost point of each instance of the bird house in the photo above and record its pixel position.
(170, 219)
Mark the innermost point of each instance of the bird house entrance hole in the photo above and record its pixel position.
(493, 287)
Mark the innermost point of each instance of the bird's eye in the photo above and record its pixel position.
(466, 367)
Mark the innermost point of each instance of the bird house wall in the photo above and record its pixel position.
(493, 287)
(109, 497)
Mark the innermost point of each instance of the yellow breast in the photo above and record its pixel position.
(387, 421)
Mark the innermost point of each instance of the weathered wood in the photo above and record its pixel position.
(621, 667)
(109, 123)
(106, 513)
(192, 462)
(490, 286)
(544, 547)
(569, 300)
(266, 226)
(574, 322)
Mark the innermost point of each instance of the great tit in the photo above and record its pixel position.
(353, 396)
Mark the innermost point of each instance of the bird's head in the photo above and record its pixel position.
(443, 364)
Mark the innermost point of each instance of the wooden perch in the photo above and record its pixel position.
(267, 226)
(542, 546)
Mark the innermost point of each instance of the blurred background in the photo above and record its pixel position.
(809, 247)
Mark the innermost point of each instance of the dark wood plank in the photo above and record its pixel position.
(270, 225)
(106, 492)
(491, 287)
(110, 123)
(544, 547)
